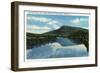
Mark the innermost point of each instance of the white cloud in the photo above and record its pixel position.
(83, 19)
(76, 21)
(41, 19)
(55, 26)
(34, 27)
(52, 22)
(37, 29)
(79, 20)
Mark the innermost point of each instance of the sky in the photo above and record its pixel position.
(41, 23)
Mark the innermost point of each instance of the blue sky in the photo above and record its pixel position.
(41, 23)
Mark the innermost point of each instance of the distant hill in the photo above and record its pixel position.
(65, 30)
(78, 34)
(75, 33)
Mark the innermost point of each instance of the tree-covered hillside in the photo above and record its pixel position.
(79, 35)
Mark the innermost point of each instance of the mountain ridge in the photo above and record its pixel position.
(77, 34)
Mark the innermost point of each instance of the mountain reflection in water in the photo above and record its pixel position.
(63, 47)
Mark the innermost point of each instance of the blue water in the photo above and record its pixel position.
(65, 41)
(63, 47)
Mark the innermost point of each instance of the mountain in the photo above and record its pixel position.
(78, 35)
(64, 30)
